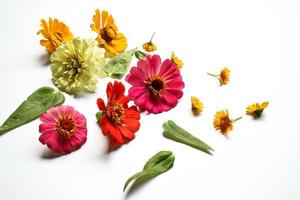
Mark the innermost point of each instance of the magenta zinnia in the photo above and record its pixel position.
(156, 87)
(63, 129)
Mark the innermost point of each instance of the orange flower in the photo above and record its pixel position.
(223, 123)
(109, 37)
(55, 32)
(149, 46)
(224, 76)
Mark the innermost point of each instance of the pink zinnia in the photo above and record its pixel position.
(63, 129)
(156, 87)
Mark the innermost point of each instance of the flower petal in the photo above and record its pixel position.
(132, 124)
(127, 133)
(100, 104)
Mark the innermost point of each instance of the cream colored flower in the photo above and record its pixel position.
(77, 65)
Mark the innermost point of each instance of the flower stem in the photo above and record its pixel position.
(213, 75)
(237, 119)
(152, 37)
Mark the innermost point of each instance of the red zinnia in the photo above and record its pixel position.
(116, 119)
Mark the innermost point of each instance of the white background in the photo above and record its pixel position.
(258, 40)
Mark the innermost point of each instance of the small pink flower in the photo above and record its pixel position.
(63, 129)
(156, 87)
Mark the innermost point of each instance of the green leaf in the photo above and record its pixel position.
(178, 134)
(117, 66)
(35, 105)
(139, 54)
(156, 165)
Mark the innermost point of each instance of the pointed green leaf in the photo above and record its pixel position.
(156, 165)
(178, 134)
(117, 66)
(35, 105)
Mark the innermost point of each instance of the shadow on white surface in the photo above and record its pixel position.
(48, 154)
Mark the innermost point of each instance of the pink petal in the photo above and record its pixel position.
(46, 137)
(175, 84)
(177, 93)
(136, 91)
(48, 118)
(144, 67)
(154, 62)
(46, 127)
(77, 141)
(137, 72)
(170, 99)
(140, 100)
(135, 81)
(167, 67)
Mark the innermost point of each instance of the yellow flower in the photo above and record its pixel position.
(197, 105)
(223, 77)
(109, 37)
(256, 109)
(55, 32)
(223, 122)
(77, 65)
(149, 46)
(176, 60)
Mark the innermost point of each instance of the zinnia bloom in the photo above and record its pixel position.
(149, 46)
(256, 109)
(223, 122)
(156, 86)
(109, 37)
(55, 32)
(63, 129)
(77, 65)
(116, 119)
(176, 60)
(197, 105)
(224, 76)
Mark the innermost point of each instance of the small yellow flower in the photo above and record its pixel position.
(256, 109)
(197, 105)
(55, 32)
(223, 77)
(109, 37)
(176, 60)
(223, 122)
(149, 46)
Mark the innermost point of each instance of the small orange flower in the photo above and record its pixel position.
(55, 32)
(109, 37)
(223, 77)
(223, 122)
(149, 46)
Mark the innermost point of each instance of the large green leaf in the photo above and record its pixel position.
(156, 165)
(35, 105)
(178, 134)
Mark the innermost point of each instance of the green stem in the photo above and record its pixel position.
(237, 119)
(152, 37)
(213, 75)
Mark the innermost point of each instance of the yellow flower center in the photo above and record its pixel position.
(107, 34)
(66, 126)
(155, 85)
(115, 112)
